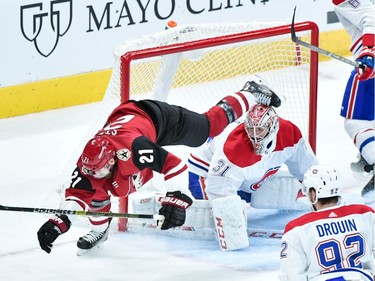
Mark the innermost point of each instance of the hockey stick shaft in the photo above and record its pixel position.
(79, 213)
(296, 40)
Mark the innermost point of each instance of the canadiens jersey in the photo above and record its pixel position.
(335, 239)
(358, 19)
(229, 164)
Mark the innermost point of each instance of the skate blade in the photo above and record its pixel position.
(83, 252)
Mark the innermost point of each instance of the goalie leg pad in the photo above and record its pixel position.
(230, 223)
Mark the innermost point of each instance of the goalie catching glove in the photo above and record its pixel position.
(173, 208)
(52, 229)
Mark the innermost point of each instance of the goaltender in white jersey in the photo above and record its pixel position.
(240, 161)
(247, 154)
(335, 241)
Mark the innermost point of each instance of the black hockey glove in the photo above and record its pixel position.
(50, 230)
(173, 208)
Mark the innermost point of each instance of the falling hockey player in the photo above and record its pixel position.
(122, 156)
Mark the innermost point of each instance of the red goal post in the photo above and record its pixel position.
(188, 65)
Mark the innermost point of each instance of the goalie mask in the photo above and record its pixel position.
(324, 179)
(262, 125)
(95, 156)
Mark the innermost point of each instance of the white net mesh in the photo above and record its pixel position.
(206, 74)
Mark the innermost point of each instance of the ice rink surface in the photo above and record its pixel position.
(33, 151)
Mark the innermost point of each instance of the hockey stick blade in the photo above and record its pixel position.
(320, 50)
(264, 233)
(79, 213)
(204, 232)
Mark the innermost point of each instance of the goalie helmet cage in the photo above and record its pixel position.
(208, 61)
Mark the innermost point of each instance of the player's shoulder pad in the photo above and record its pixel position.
(148, 154)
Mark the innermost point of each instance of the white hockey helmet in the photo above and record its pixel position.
(262, 125)
(324, 179)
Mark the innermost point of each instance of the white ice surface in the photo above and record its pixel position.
(33, 151)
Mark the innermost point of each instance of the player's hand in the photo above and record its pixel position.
(51, 229)
(173, 209)
(366, 62)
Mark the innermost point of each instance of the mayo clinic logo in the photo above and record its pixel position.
(45, 25)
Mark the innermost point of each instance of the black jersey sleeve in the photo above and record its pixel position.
(147, 154)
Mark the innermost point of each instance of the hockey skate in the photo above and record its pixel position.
(359, 165)
(262, 93)
(91, 241)
(368, 189)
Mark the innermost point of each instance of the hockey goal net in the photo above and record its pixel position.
(196, 65)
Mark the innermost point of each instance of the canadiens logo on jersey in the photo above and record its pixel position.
(123, 154)
(265, 177)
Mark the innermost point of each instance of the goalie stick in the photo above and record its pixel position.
(296, 40)
(264, 233)
(79, 213)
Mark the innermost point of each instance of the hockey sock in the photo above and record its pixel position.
(226, 111)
